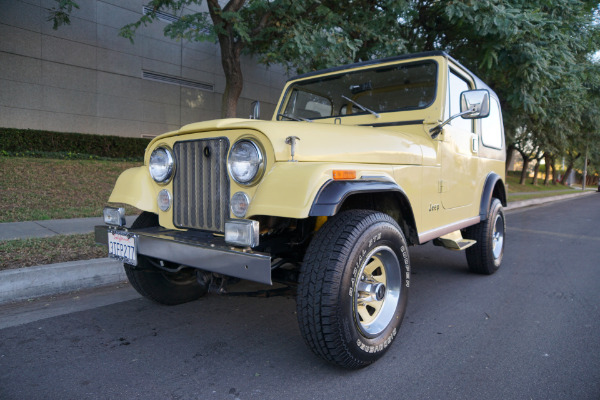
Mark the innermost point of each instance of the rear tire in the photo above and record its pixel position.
(158, 285)
(486, 255)
(353, 288)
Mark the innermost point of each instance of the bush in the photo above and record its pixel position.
(37, 143)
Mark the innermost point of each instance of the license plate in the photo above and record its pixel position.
(122, 246)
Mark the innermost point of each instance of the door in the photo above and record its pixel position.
(459, 150)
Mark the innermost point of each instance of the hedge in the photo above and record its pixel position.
(38, 143)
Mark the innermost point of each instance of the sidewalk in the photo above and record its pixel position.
(31, 282)
(39, 229)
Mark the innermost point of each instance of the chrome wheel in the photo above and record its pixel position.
(353, 288)
(377, 291)
(498, 236)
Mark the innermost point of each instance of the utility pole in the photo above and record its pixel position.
(585, 168)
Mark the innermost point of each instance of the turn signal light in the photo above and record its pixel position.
(343, 174)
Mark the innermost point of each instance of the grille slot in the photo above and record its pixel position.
(201, 184)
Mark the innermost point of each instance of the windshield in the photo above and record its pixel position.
(378, 90)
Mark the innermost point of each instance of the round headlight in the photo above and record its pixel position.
(245, 162)
(161, 164)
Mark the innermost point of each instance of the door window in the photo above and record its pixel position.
(456, 86)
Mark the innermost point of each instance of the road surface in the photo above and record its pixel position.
(531, 331)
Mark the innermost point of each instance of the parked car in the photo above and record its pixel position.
(357, 164)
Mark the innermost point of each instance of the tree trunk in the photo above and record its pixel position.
(536, 171)
(567, 173)
(510, 152)
(231, 51)
(554, 171)
(569, 168)
(524, 171)
(234, 81)
(549, 165)
(585, 162)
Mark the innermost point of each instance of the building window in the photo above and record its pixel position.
(161, 15)
(174, 80)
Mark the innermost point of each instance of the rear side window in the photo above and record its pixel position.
(491, 127)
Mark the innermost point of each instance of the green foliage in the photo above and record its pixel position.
(46, 144)
(536, 54)
(330, 34)
(60, 15)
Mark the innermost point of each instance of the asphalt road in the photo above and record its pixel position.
(531, 331)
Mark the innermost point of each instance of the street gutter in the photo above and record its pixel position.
(544, 200)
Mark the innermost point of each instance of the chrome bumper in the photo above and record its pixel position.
(198, 250)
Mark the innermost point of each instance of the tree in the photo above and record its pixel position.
(240, 26)
(349, 31)
(532, 53)
(303, 35)
(279, 31)
(527, 51)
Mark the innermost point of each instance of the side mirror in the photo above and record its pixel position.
(475, 104)
(255, 110)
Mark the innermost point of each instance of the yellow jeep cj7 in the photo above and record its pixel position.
(358, 163)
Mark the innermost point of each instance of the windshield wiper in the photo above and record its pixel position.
(294, 118)
(361, 107)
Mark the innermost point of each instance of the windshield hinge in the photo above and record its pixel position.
(291, 140)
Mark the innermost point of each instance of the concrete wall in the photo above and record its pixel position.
(83, 77)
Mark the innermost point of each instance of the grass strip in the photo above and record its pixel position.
(40, 251)
(539, 195)
(34, 189)
(513, 178)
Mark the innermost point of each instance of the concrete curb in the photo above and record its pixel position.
(44, 280)
(30, 282)
(543, 200)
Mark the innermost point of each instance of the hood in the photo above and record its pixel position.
(318, 142)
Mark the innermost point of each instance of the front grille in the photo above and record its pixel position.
(201, 184)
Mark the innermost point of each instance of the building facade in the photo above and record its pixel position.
(85, 78)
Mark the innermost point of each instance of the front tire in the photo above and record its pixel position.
(353, 288)
(159, 285)
(485, 256)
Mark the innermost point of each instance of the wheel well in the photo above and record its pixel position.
(499, 192)
(494, 187)
(391, 203)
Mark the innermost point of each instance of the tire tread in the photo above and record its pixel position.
(319, 284)
(150, 282)
(479, 256)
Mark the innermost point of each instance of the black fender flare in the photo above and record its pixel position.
(332, 194)
(493, 183)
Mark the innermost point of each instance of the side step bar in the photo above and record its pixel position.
(454, 241)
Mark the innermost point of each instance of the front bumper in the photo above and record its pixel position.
(198, 250)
